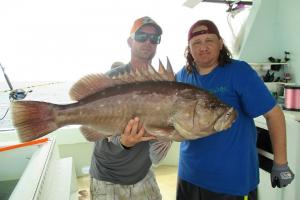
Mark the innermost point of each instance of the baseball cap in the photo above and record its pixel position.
(207, 27)
(142, 22)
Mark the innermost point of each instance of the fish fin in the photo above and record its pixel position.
(126, 77)
(161, 68)
(91, 84)
(157, 77)
(158, 150)
(140, 75)
(91, 134)
(162, 71)
(170, 73)
(33, 119)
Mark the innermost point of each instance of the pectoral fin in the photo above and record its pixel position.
(158, 150)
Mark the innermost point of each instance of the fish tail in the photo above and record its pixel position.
(33, 119)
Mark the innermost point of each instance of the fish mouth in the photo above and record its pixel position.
(226, 120)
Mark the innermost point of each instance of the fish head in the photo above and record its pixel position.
(201, 114)
(212, 115)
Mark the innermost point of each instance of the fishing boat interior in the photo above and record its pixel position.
(57, 166)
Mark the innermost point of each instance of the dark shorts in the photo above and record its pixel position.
(188, 191)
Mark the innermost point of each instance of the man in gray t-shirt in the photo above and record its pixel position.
(120, 167)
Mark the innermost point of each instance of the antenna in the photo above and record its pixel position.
(6, 78)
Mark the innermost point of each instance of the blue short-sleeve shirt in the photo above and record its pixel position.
(227, 162)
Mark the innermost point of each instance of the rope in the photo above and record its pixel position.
(33, 86)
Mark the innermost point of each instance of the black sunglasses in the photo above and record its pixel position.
(142, 37)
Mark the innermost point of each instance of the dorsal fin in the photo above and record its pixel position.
(150, 74)
(161, 69)
(170, 72)
(93, 83)
(166, 74)
(154, 72)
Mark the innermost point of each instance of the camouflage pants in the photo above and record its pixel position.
(146, 189)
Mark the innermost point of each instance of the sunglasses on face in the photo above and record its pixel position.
(142, 37)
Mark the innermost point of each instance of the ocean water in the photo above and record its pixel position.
(54, 92)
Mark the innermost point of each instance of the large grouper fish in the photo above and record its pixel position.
(169, 110)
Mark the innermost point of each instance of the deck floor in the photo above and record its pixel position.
(166, 177)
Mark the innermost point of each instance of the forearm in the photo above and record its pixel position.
(277, 129)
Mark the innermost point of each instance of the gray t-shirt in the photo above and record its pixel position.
(112, 163)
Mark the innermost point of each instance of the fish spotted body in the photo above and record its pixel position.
(167, 109)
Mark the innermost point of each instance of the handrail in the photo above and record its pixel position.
(24, 144)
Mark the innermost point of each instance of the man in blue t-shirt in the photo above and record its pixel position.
(225, 165)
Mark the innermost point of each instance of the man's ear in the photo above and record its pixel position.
(129, 42)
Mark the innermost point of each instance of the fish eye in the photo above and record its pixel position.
(228, 114)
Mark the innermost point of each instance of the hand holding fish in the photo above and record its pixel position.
(134, 133)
